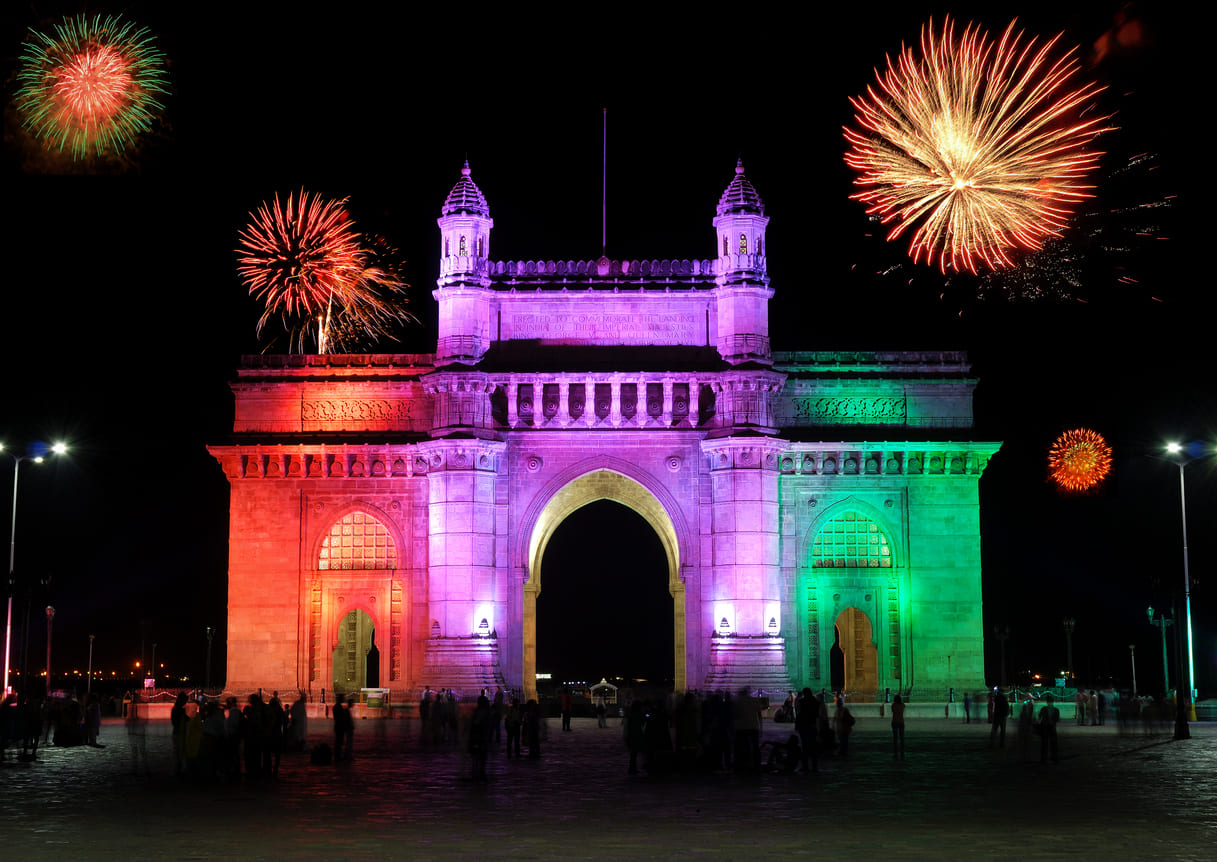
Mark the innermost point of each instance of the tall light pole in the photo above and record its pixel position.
(210, 634)
(1132, 654)
(89, 683)
(50, 615)
(37, 458)
(1177, 450)
(1162, 622)
(1069, 623)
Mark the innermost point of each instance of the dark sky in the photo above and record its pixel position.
(123, 318)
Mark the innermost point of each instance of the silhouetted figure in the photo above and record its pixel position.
(480, 730)
(299, 723)
(1049, 716)
(746, 721)
(251, 736)
(513, 721)
(276, 719)
(898, 728)
(566, 702)
(496, 714)
(806, 725)
(843, 723)
(1026, 723)
(137, 737)
(532, 729)
(634, 731)
(179, 719)
(967, 708)
(658, 745)
(93, 720)
(1001, 711)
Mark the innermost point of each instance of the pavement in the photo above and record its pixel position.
(1114, 794)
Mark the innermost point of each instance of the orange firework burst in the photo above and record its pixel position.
(1079, 460)
(304, 259)
(975, 144)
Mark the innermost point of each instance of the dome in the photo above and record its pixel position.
(466, 197)
(740, 196)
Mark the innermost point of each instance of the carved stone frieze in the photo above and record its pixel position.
(851, 410)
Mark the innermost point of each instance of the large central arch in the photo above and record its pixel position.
(579, 492)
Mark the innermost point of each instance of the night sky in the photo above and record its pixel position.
(123, 318)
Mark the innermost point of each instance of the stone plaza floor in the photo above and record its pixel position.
(1113, 795)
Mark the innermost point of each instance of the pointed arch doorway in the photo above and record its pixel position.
(589, 488)
(860, 658)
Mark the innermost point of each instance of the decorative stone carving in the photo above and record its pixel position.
(849, 410)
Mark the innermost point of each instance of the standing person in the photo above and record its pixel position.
(806, 724)
(566, 708)
(178, 719)
(93, 720)
(137, 737)
(496, 714)
(232, 739)
(513, 721)
(532, 729)
(299, 723)
(967, 708)
(898, 728)
(633, 729)
(746, 719)
(843, 723)
(480, 730)
(1049, 716)
(601, 711)
(1079, 706)
(1026, 720)
(1001, 711)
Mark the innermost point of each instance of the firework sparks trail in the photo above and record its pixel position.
(1079, 460)
(976, 147)
(91, 87)
(306, 262)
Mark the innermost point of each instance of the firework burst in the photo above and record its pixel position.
(1079, 460)
(314, 272)
(92, 87)
(976, 147)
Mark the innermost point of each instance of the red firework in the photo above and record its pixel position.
(304, 259)
(1079, 460)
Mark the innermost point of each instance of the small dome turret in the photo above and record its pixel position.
(466, 197)
(740, 196)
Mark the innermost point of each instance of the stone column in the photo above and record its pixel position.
(615, 401)
(589, 401)
(694, 402)
(640, 408)
(513, 404)
(666, 416)
(563, 402)
(745, 584)
(461, 498)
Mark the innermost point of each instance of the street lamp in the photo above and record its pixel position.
(210, 634)
(1162, 622)
(1132, 654)
(50, 615)
(1069, 623)
(1177, 450)
(37, 456)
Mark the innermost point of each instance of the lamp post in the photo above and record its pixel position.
(1132, 654)
(50, 615)
(1002, 633)
(1162, 622)
(1069, 623)
(210, 634)
(1176, 450)
(37, 458)
(89, 682)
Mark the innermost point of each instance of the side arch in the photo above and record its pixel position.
(575, 493)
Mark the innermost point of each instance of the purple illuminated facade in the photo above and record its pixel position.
(406, 501)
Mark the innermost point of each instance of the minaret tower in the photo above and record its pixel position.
(743, 283)
(463, 288)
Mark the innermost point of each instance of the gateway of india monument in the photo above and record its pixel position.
(400, 505)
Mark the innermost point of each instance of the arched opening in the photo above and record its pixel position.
(576, 494)
(356, 659)
(605, 610)
(860, 659)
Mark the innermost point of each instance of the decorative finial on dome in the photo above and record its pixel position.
(465, 170)
(740, 196)
(466, 196)
(739, 166)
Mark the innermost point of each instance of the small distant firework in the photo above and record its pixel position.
(92, 87)
(1079, 460)
(975, 146)
(310, 267)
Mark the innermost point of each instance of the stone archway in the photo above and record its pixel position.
(588, 488)
(861, 657)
